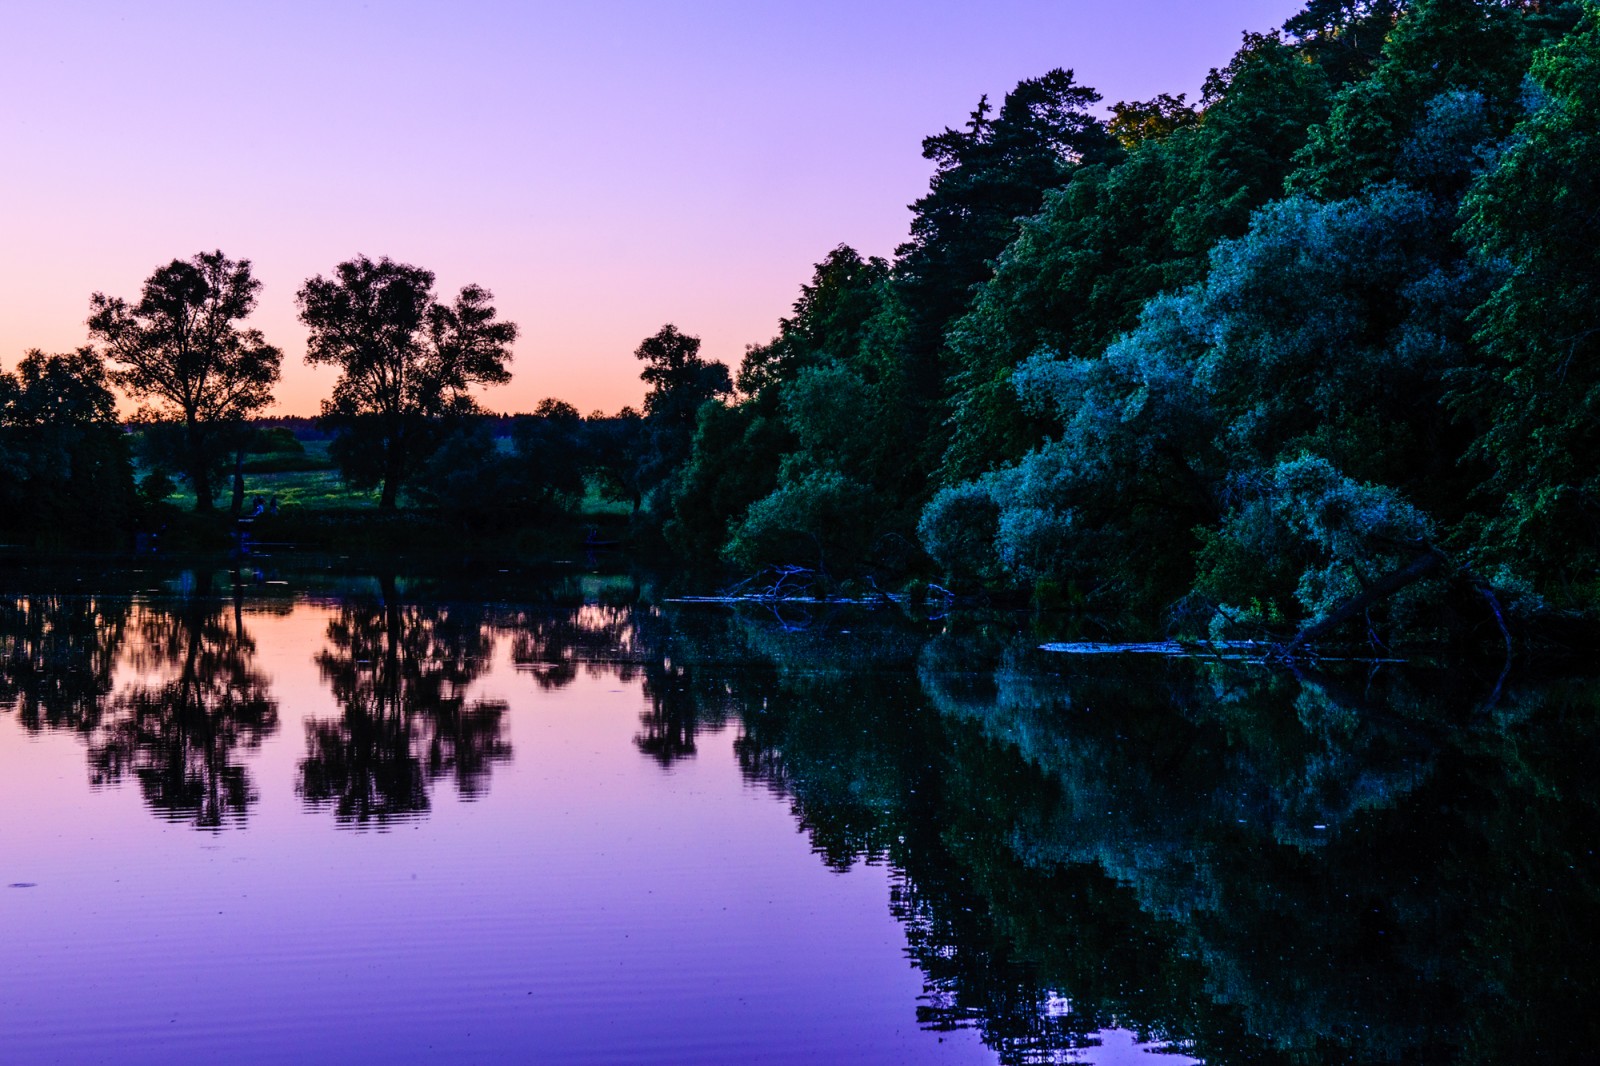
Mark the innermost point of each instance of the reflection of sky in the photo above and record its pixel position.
(590, 907)
(603, 167)
(1118, 1047)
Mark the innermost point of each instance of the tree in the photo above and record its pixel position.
(182, 347)
(990, 173)
(1319, 344)
(1113, 237)
(1138, 121)
(612, 446)
(680, 381)
(1537, 396)
(64, 468)
(472, 478)
(406, 362)
(1436, 46)
(830, 318)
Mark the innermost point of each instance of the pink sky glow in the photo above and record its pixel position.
(603, 168)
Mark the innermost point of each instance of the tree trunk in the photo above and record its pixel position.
(238, 481)
(200, 481)
(393, 467)
(199, 475)
(1386, 586)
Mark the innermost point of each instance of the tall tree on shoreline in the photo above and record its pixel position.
(182, 347)
(680, 381)
(407, 362)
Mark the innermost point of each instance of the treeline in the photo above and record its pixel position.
(401, 421)
(1320, 346)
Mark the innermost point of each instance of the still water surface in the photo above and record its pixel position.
(279, 817)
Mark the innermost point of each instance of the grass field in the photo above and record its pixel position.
(319, 489)
(322, 489)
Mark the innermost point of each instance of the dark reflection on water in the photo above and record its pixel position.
(400, 673)
(196, 701)
(1243, 864)
(1239, 864)
(59, 653)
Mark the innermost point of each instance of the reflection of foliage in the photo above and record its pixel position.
(673, 718)
(1250, 866)
(401, 673)
(552, 645)
(198, 699)
(57, 654)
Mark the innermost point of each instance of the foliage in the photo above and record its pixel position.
(65, 473)
(472, 477)
(181, 346)
(988, 174)
(1114, 237)
(612, 448)
(734, 461)
(1437, 46)
(1321, 340)
(1303, 529)
(810, 519)
(680, 381)
(1536, 397)
(406, 363)
(1136, 121)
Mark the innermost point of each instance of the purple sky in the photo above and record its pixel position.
(604, 168)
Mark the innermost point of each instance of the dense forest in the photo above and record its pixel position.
(1319, 347)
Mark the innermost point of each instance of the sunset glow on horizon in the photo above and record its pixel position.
(602, 168)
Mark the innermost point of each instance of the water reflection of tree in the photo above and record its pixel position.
(197, 701)
(400, 673)
(555, 644)
(1085, 851)
(57, 656)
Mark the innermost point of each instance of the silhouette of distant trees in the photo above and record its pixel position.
(65, 473)
(680, 381)
(471, 476)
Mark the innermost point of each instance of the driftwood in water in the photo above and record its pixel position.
(1387, 585)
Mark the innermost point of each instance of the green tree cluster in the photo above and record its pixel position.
(1312, 348)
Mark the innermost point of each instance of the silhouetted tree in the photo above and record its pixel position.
(613, 446)
(65, 475)
(182, 347)
(406, 361)
(680, 381)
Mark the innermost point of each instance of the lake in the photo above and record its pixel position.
(328, 815)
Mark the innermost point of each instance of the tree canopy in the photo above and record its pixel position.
(406, 360)
(182, 347)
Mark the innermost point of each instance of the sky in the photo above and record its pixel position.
(603, 168)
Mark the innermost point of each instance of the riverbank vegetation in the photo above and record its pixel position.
(1312, 353)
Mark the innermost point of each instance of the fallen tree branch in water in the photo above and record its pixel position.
(1423, 565)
